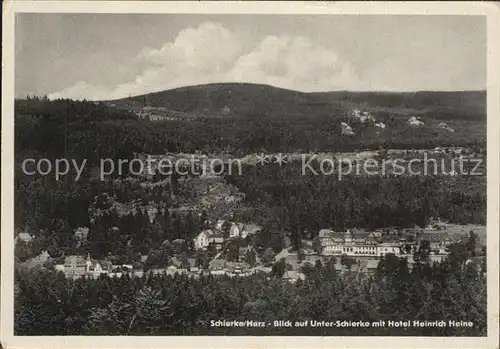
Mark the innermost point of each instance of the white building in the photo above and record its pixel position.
(363, 116)
(25, 237)
(446, 127)
(224, 230)
(81, 233)
(388, 247)
(357, 243)
(236, 230)
(414, 121)
(206, 237)
(346, 129)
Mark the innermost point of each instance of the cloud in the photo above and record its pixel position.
(295, 63)
(211, 53)
(81, 90)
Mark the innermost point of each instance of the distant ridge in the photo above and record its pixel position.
(240, 99)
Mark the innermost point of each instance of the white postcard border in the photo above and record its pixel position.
(490, 10)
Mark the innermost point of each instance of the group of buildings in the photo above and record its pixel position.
(357, 243)
(76, 266)
(223, 231)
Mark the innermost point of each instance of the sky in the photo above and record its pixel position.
(107, 56)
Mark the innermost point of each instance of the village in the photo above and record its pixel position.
(232, 252)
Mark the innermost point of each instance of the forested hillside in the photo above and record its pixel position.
(93, 131)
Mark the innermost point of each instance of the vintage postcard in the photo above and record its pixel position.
(250, 174)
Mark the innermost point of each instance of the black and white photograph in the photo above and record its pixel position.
(226, 174)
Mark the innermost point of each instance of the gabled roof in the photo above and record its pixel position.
(220, 223)
(207, 232)
(252, 228)
(74, 260)
(390, 243)
(433, 237)
(25, 236)
(329, 233)
(293, 275)
(217, 264)
(393, 239)
(106, 264)
(324, 233)
(360, 234)
(44, 255)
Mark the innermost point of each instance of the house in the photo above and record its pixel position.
(446, 127)
(242, 230)
(293, 276)
(236, 267)
(156, 117)
(75, 266)
(37, 261)
(262, 269)
(178, 241)
(438, 241)
(415, 121)
(217, 264)
(117, 274)
(363, 116)
(387, 247)
(95, 269)
(250, 229)
(81, 233)
(346, 129)
(349, 243)
(235, 230)
(206, 237)
(223, 230)
(358, 243)
(42, 257)
(331, 241)
(359, 236)
(138, 272)
(220, 224)
(439, 225)
(172, 270)
(24, 237)
(157, 271)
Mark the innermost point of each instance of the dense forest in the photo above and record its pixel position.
(280, 198)
(47, 303)
(284, 200)
(94, 131)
